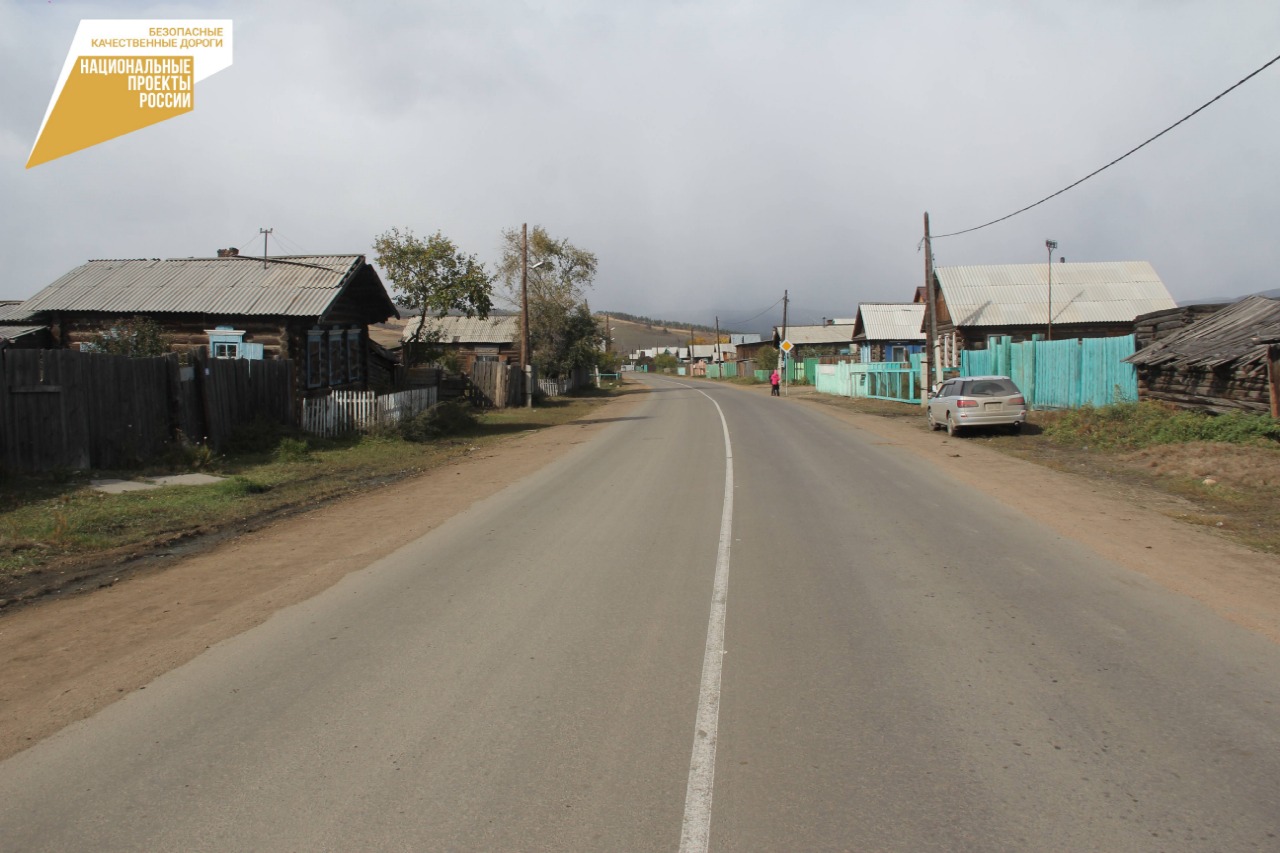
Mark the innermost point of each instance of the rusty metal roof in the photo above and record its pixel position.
(468, 330)
(881, 321)
(292, 286)
(1239, 333)
(1018, 294)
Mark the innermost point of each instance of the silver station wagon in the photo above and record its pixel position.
(977, 401)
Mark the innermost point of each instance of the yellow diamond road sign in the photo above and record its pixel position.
(787, 346)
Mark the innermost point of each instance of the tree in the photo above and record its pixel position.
(562, 333)
(766, 358)
(433, 278)
(137, 337)
(665, 361)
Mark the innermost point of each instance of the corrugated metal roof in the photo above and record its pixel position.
(892, 321)
(13, 311)
(1238, 333)
(14, 332)
(813, 335)
(1018, 294)
(296, 286)
(469, 330)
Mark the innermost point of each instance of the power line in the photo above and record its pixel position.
(1117, 160)
(749, 319)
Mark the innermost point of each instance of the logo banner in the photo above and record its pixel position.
(124, 75)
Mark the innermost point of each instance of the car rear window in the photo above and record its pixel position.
(989, 388)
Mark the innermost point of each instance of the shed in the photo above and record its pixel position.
(17, 330)
(470, 339)
(1227, 361)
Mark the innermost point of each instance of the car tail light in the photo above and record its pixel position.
(1017, 401)
(966, 404)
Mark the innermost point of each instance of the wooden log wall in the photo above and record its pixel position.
(186, 333)
(1219, 391)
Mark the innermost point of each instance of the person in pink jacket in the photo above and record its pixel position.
(774, 379)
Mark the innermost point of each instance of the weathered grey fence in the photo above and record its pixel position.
(235, 392)
(74, 410)
(494, 384)
(64, 409)
(342, 412)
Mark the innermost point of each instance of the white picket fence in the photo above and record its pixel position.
(563, 385)
(361, 411)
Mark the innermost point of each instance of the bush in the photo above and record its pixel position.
(293, 450)
(440, 420)
(1136, 425)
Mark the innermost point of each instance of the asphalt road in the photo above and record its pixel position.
(839, 651)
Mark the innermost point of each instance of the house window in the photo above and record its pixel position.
(337, 358)
(355, 364)
(899, 354)
(315, 358)
(224, 341)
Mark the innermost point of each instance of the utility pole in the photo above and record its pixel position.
(1050, 245)
(719, 356)
(264, 232)
(931, 336)
(524, 316)
(786, 383)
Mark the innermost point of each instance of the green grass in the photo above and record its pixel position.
(1131, 426)
(48, 519)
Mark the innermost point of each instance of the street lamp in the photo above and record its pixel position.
(1050, 245)
(525, 352)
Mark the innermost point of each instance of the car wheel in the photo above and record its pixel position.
(1015, 428)
(933, 425)
(953, 428)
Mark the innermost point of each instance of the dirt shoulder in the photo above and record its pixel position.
(67, 658)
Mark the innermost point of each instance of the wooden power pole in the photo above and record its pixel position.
(931, 336)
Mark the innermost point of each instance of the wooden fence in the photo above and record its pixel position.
(234, 392)
(1061, 374)
(564, 384)
(63, 409)
(342, 412)
(497, 385)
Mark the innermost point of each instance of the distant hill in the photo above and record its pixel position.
(629, 336)
(1211, 300)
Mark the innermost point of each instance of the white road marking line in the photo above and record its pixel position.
(695, 834)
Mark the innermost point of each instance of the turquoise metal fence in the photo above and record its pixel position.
(882, 381)
(1061, 374)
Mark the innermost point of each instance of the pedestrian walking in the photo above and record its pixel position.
(774, 380)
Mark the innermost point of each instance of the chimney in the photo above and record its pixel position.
(228, 253)
(1062, 260)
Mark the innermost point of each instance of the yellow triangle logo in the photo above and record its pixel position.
(106, 97)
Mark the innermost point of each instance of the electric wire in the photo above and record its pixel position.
(749, 319)
(1117, 160)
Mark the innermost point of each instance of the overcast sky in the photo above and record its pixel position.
(712, 154)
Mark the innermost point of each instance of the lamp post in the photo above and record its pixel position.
(1050, 245)
(525, 353)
